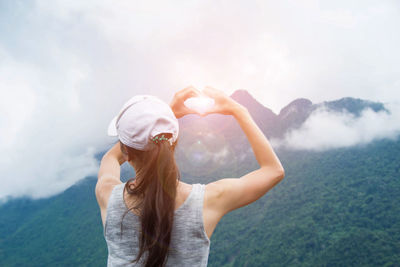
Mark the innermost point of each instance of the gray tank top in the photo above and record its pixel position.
(190, 244)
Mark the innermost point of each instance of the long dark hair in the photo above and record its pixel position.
(155, 189)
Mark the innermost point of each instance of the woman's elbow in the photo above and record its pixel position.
(280, 174)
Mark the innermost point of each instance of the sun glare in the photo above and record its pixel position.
(200, 104)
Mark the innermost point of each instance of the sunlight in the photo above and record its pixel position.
(200, 104)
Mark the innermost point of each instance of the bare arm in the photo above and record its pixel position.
(233, 193)
(108, 176)
(110, 163)
(262, 149)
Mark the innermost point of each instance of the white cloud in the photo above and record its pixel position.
(66, 67)
(44, 142)
(326, 129)
(17, 101)
(278, 51)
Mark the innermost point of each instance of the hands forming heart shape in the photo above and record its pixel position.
(200, 104)
(210, 100)
(191, 101)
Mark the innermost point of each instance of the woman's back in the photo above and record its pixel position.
(189, 242)
(197, 217)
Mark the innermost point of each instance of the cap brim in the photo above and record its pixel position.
(112, 128)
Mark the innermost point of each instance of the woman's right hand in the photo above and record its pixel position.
(223, 103)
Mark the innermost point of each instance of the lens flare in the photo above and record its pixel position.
(203, 152)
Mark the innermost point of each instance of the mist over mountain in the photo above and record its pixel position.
(299, 125)
(291, 116)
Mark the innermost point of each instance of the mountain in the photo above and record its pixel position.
(263, 116)
(353, 105)
(290, 117)
(293, 115)
(340, 207)
(227, 125)
(217, 132)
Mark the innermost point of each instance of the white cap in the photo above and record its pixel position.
(142, 118)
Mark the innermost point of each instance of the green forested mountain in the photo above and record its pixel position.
(335, 208)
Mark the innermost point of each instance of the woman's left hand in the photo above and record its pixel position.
(177, 105)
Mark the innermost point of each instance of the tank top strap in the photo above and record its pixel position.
(194, 211)
(118, 195)
(115, 204)
(191, 205)
(199, 199)
(199, 210)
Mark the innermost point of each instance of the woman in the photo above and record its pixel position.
(155, 219)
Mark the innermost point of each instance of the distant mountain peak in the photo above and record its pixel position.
(353, 105)
(242, 95)
(300, 101)
(244, 98)
(297, 105)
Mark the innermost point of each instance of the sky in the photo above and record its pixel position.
(66, 68)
